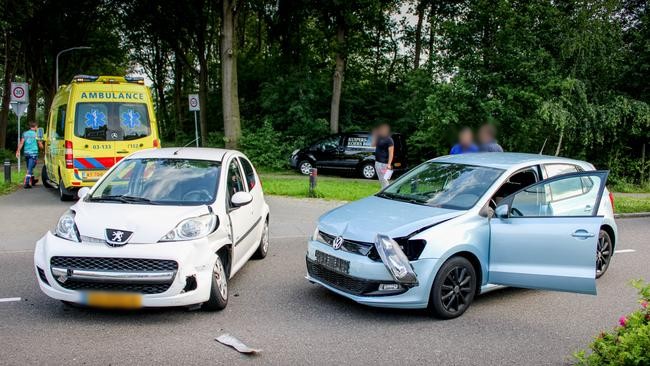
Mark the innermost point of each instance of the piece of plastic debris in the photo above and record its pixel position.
(235, 343)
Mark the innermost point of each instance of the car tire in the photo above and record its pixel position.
(263, 248)
(64, 195)
(604, 251)
(453, 289)
(304, 167)
(368, 170)
(218, 288)
(46, 178)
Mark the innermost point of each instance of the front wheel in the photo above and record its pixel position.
(604, 251)
(453, 289)
(219, 288)
(64, 195)
(368, 170)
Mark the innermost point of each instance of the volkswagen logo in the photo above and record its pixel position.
(337, 242)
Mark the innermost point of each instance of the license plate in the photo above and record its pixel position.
(113, 300)
(332, 262)
(92, 175)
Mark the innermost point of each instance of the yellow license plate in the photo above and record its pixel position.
(114, 300)
(92, 174)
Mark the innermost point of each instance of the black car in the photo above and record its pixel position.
(347, 152)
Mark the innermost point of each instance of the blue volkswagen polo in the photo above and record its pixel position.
(458, 226)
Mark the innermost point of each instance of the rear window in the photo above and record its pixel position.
(111, 121)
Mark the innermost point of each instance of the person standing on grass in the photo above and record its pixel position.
(31, 146)
(384, 150)
(465, 142)
(488, 139)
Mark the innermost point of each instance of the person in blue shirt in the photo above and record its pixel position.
(465, 142)
(487, 136)
(31, 145)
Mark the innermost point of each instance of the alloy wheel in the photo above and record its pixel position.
(220, 276)
(368, 171)
(603, 253)
(456, 290)
(265, 237)
(305, 167)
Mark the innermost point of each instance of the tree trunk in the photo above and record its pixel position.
(418, 35)
(432, 34)
(178, 90)
(6, 95)
(229, 96)
(33, 101)
(339, 71)
(203, 98)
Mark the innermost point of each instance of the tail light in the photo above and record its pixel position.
(68, 155)
(155, 143)
(611, 199)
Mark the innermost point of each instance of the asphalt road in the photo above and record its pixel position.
(274, 308)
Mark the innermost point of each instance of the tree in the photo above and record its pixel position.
(229, 90)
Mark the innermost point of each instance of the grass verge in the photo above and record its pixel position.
(16, 182)
(626, 204)
(329, 188)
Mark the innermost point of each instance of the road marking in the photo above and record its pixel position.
(625, 251)
(9, 299)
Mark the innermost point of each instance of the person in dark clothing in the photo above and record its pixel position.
(487, 138)
(465, 142)
(384, 150)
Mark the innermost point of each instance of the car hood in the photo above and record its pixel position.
(148, 223)
(362, 220)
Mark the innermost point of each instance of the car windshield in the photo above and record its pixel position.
(453, 186)
(111, 121)
(160, 181)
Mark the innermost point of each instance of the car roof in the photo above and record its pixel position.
(198, 153)
(505, 160)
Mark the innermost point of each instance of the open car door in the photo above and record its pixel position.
(544, 236)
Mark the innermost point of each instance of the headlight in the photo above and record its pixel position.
(192, 228)
(395, 260)
(316, 236)
(66, 227)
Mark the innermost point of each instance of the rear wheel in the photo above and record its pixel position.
(219, 288)
(368, 170)
(453, 289)
(604, 251)
(263, 248)
(305, 167)
(64, 194)
(45, 178)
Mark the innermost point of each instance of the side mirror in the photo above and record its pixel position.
(83, 192)
(502, 211)
(241, 199)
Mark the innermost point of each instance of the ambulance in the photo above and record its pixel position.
(95, 121)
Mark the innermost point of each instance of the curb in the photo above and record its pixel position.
(631, 215)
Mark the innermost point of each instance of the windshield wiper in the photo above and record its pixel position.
(123, 199)
(397, 197)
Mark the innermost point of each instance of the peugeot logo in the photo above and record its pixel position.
(117, 238)
(338, 241)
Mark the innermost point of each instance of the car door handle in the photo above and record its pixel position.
(588, 208)
(582, 234)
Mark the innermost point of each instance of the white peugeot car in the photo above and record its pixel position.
(165, 227)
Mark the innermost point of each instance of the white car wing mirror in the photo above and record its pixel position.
(241, 199)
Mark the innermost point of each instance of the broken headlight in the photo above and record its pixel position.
(395, 260)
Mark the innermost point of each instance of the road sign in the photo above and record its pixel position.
(19, 92)
(19, 109)
(194, 103)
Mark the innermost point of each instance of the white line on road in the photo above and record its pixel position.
(9, 299)
(625, 251)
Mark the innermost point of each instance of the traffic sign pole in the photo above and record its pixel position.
(18, 119)
(20, 98)
(195, 106)
(196, 129)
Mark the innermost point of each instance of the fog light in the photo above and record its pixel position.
(389, 286)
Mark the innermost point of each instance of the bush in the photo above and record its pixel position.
(267, 147)
(7, 154)
(628, 344)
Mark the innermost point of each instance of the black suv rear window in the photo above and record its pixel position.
(111, 121)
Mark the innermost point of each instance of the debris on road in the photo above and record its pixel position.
(235, 343)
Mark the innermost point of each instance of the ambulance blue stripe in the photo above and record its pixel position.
(78, 165)
(95, 163)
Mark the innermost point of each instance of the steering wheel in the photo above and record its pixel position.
(197, 195)
(516, 211)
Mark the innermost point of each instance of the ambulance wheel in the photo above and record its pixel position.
(45, 178)
(64, 194)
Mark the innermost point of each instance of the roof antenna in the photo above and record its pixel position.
(540, 151)
(186, 145)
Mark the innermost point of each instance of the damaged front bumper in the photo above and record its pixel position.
(370, 282)
(165, 274)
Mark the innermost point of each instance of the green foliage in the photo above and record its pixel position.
(329, 188)
(625, 204)
(267, 147)
(628, 344)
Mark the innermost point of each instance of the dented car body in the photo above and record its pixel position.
(458, 226)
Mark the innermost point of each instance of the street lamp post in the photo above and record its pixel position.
(57, 60)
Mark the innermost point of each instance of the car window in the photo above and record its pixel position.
(249, 172)
(553, 170)
(571, 196)
(235, 178)
(111, 121)
(60, 122)
(328, 143)
(359, 140)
